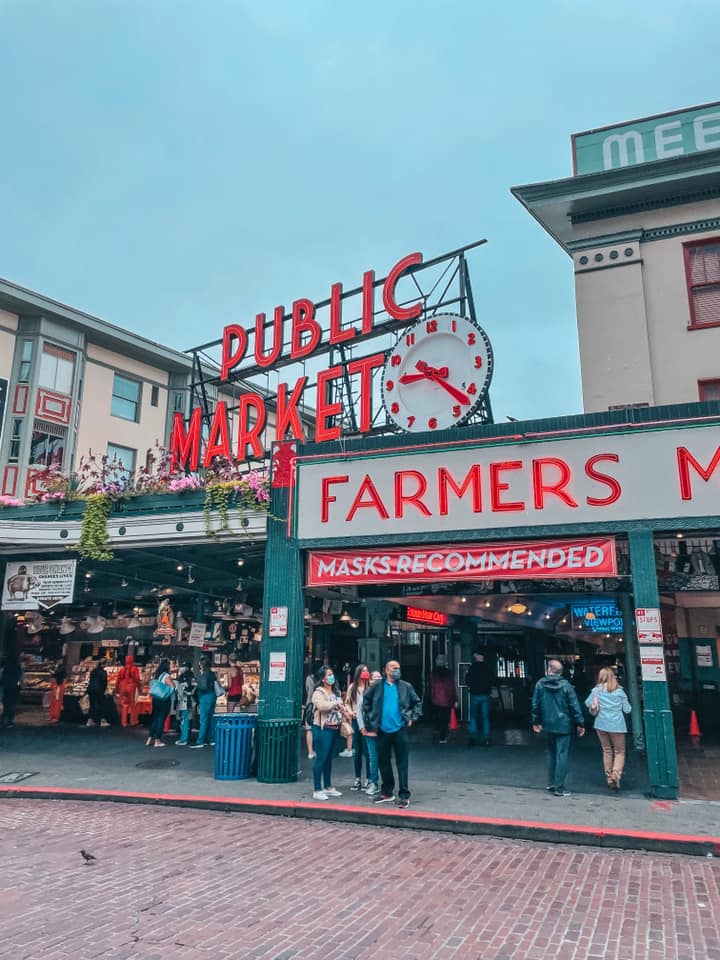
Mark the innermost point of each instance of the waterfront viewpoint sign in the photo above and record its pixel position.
(643, 141)
(529, 481)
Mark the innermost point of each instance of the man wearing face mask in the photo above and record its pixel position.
(390, 707)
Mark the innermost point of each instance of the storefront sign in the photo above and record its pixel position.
(297, 334)
(648, 474)
(703, 655)
(278, 667)
(278, 626)
(38, 585)
(642, 141)
(196, 636)
(420, 615)
(649, 625)
(525, 560)
(597, 617)
(652, 664)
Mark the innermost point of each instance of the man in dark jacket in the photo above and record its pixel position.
(480, 679)
(97, 687)
(555, 709)
(10, 682)
(390, 707)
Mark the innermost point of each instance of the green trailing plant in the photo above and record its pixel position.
(94, 543)
(218, 497)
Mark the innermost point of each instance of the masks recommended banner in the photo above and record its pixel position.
(523, 560)
(38, 585)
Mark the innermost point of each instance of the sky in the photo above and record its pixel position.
(172, 165)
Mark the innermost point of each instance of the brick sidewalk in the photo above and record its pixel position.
(175, 885)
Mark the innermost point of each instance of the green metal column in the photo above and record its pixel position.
(280, 702)
(657, 716)
(631, 670)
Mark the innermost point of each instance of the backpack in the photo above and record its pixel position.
(309, 713)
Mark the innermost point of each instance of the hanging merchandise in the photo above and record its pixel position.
(66, 627)
(94, 624)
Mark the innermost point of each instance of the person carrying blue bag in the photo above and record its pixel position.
(161, 692)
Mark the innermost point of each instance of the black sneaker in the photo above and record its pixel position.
(384, 798)
(562, 793)
(550, 789)
(403, 804)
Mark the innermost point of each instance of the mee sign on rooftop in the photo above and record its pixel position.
(675, 134)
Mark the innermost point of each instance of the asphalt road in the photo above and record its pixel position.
(175, 884)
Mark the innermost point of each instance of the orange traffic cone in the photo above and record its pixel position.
(453, 719)
(694, 725)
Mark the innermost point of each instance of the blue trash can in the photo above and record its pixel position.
(234, 734)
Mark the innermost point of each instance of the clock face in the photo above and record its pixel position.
(437, 374)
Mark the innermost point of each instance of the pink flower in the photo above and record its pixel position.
(7, 501)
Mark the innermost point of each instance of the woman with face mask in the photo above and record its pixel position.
(328, 713)
(353, 702)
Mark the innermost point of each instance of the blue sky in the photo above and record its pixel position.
(172, 166)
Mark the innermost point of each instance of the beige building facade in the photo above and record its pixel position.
(641, 222)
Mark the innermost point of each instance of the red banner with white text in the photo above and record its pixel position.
(521, 560)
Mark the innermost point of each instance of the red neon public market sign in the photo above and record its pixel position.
(306, 335)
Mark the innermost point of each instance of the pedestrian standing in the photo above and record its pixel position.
(353, 703)
(443, 697)
(10, 683)
(390, 707)
(185, 692)
(311, 681)
(207, 698)
(97, 688)
(480, 679)
(555, 709)
(57, 695)
(235, 690)
(161, 694)
(328, 714)
(126, 689)
(608, 703)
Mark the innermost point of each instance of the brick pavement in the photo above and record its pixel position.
(176, 885)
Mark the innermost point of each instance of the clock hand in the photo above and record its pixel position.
(453, 391)
(412, 377)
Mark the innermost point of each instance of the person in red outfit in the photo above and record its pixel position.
(235, 690)
(126, 689)
(443, 696)
(57, 695)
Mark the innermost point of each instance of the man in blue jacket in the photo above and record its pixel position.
(390, 706)
(554, 709)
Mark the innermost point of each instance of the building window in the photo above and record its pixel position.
(709, 389)
(179, 403)
(121, 463)
(25, 361)
(56, 369)
(702, 267)
(47, 445)
(15, 441)
(125, 398)
(154, 396)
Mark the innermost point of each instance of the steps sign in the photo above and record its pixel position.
(649, 625)
(278, 622)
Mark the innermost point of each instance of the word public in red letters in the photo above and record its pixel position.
(524, 560)
(187, 447)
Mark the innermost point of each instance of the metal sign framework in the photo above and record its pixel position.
(441, 284)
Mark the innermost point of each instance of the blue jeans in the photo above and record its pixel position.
(206, 705)
(184, 716)
(324, 743)
(558, 747)
(372, 759)
(359, 751)
(479, 702)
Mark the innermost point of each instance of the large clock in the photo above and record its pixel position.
(437, 374)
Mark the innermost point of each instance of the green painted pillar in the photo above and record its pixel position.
(657, 716)
(281, 656)
(631, 669)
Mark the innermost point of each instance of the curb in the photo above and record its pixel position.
(647, 841)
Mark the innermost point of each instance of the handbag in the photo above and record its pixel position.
(160, 690)
(594, 707)
(345, 729)
(219, 689)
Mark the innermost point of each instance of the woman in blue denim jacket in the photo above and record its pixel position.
(608, 703)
